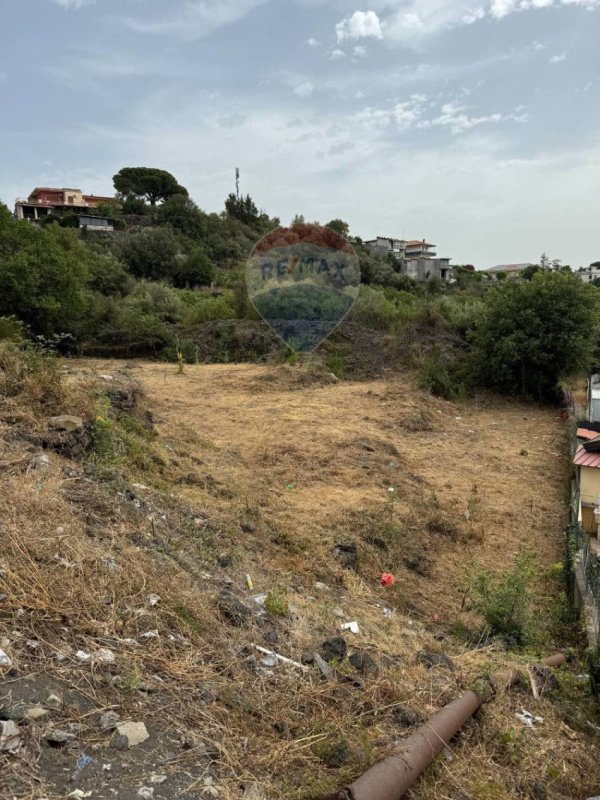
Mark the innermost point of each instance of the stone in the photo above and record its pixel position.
(65, 422)
(146, 792)
(307, 657)
(364, 663)
(248, 527)
(53, 702)
(334, 649)
(56, 737)
(346, 552)
(35, 713)
(10, 738)
(108, 721)
(406, 717)
(271, 637)
(5, 660)
(129, 734)
(533, 790)
(158, 779)
(41, 463)
(234, 611)
(431, 660)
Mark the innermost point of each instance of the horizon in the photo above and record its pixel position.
(426, 119)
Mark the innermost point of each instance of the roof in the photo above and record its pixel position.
(39, 189)
(585, 459)
(509, 268)
(418, 242)
(585, 433)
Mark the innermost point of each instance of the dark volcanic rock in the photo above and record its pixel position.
(364, 663)
(334, 649)
(347, 553)
(406, 717)
(431, 660)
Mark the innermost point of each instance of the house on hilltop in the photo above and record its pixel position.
(45, 201)
(510, 270)
(417, 257)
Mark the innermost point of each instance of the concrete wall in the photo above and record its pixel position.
(589, 485)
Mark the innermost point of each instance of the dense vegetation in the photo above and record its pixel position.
(172, 276)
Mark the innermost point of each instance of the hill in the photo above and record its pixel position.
(185, 519)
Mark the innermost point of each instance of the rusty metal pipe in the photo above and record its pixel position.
(391, 778)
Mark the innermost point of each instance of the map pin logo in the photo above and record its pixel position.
(303, 281)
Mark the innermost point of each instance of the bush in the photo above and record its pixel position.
(195, 270)
(504, 600)
(199, 308)
(150, 253)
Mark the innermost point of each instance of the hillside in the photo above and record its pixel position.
(125, 557)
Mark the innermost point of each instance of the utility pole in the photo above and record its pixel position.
(237, 182)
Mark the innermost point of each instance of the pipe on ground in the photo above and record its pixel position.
(391, 778)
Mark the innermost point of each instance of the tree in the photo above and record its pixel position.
(183, 215)
(534, 333)
(242, 208)
(150, 253)
(147, 183)
(43, 276)
(339, 226)
(196, 270)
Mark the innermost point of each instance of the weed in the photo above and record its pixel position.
(276, 603)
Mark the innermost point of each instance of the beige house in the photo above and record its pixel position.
(587, 459)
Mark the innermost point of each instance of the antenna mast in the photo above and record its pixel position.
(237, 182)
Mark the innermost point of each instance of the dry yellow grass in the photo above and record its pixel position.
(264, 470)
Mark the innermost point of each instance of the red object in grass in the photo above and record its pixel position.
(387, 579)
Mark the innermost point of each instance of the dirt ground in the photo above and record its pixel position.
(279, 481)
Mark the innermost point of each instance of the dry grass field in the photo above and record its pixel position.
(264, 472)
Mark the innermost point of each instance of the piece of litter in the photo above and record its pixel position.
(283, 659)
(527, 718)
(79, 793)
(10, 738)
(351, 626)
(146, 792)
(323, 665)
(269, 661)
(5, 660)
(249, 583)
(322, 587)
(259, 599)
(82, 656)
(387, 613)
(387, 579)
(105, 656)
(106, 767)
(149, 635)
(153, 599)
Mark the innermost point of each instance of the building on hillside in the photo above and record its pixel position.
(510, 270)
(587, 461)
(417, 257)
(44, 201)
(587, 274)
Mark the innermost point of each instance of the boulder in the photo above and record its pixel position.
(129, 734)
(65, 422)
(334, 649)
(432, 660)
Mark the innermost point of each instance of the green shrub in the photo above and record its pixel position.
(504, 600)
(199, 307)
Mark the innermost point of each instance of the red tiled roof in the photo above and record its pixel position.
(585, 459)
(583, 433)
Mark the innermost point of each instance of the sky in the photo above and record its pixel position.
(475, 124)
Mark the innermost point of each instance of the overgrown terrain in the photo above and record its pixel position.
(149, 546)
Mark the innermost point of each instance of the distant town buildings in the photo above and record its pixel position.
(587, 274)
(510, 270)
(44, 201)
(417, 257)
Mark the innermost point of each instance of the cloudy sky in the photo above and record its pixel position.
(473, 124)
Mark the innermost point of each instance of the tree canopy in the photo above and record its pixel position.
(147, 183)
(535, 332)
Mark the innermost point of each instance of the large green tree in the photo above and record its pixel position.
(151, 253)
(44, 274)
(534, 333)
(147, 183)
